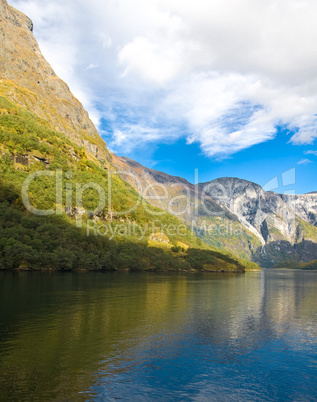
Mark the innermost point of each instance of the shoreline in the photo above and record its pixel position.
(52, 270)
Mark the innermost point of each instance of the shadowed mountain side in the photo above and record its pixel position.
(30, 242)
(283, 254)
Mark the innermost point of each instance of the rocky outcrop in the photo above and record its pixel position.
(28, 80)
(262, 210)
(285, 224)
(305, 206)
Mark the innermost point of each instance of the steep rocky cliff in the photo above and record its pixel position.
(305, 206)
(28, 80)
(286, 224)
(254, 206)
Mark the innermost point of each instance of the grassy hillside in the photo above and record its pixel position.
(131, 240)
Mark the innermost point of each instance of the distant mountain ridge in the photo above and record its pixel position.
(275, 227)
(189, 203)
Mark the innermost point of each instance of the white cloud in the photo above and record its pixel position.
(223, 74)
(311, 152)
(92, 66)
(152, 62)
(139, 135)
(304, 162)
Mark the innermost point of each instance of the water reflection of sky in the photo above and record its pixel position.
(159, 336)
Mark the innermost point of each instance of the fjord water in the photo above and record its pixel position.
(148, 336)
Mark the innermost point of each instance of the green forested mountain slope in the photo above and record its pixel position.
(29, 241)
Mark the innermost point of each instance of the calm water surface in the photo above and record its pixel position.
(143, 337)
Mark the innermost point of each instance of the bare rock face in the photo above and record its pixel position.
(305, 206)
(285, 224)
(241, 197)
(263, 210)
(27, 79)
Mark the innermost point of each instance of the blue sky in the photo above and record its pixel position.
(225, 86)
(261, 163)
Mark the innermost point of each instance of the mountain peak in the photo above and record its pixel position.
(17, 17)
(232, 186)
(233, 180)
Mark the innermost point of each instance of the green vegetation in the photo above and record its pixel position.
(27, 241)
(227, 235)
(312, 265)
(215, 261)
(307, 231)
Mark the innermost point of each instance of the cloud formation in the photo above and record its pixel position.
(224, 74)
(311, 152)
(304, 162)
